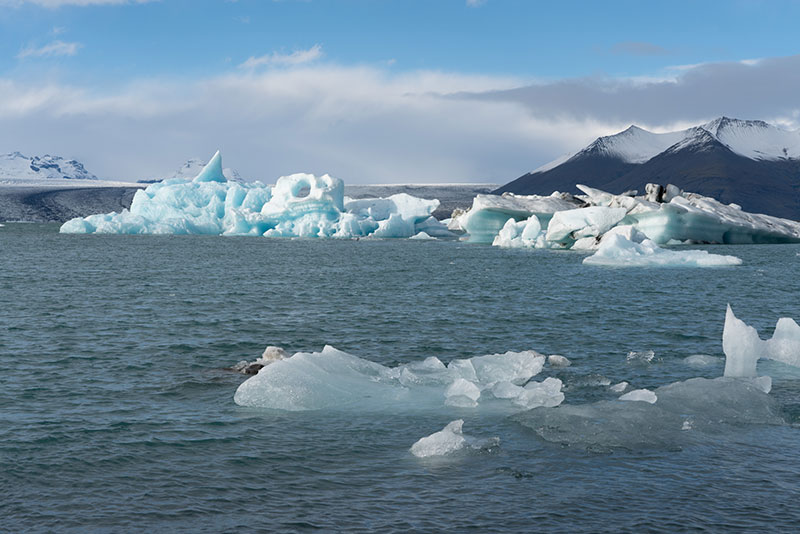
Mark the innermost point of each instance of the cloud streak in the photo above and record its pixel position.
(278, 59)
(54, 49)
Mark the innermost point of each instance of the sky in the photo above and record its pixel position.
(379, 91)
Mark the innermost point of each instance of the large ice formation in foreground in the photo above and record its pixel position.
(449, 440)
(663, 215)
(332, 379)
(300, 205)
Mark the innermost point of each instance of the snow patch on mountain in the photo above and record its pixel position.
(753, 139)
(16, 167)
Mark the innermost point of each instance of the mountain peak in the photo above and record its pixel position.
(16, 167)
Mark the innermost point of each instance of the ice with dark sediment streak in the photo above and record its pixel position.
(449, 440)
(332, 379)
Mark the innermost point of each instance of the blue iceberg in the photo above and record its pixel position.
(299, 205)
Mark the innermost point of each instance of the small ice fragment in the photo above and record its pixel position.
(445, 441)
(700, 360)
(462, 394)
(449, 440)
(645, 356)
(642, 395)
(619, 388)
(556, 360)
(272, 354)
(687, 424)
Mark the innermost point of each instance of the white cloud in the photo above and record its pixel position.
(367, 124)
(298, 57)
(56, 48)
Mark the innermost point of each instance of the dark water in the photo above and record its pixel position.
(116, 414)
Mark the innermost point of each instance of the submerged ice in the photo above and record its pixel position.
(300, 205)
(332, 379)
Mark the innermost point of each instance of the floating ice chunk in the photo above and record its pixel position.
(645, 356)
(545, 394)
(445, 441)
(556, 360)
(449, 440)
(619, 387)
(332, 379)
(701, 360)
(462, 393)
(743, 347)
(641, 395)
(422, 236)
(617, 251)
(570, 225)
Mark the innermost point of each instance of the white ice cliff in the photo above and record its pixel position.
(300, 205)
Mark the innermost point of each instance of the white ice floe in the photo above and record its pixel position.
(300, 205)
(743, 348)
(422, 236)
(617, 251)
(449, 440)
(640, 395)
(332, 379)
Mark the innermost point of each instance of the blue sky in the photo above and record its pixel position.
(377, 91)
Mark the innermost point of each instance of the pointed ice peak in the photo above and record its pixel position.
(212, 172)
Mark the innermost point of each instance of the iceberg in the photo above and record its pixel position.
(489, 213)
(664, 215)
(332, 379)
(299, 205)
(449, 440)
(618, 251)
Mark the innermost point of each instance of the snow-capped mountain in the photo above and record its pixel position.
(15, 167)
(749, 162)
(192, 168)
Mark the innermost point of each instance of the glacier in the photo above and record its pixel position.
(299, 205)
(333, 379)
